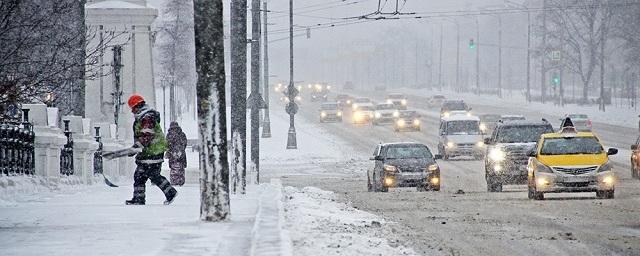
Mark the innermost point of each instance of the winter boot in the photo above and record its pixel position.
(134, 202)
(170, 196)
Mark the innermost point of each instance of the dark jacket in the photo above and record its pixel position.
(177, 144)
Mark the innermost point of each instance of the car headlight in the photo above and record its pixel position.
(451, 144)
(378, 115)
(403, 102)
(435, 180)
(416, 122)
(298, 98)
(497, 155)
(389, 101)
(323, 114)
(433, 167)
(609, 180)
(483, 127)
(371, 115)
(539, 167)
(396, 114)
(401, 122)
(480, 144)
(497, 168)
(390, 168)
(348, 101)
(339, 113)
(608, 166)
(446, 114)
(355, 106)
(468, 113)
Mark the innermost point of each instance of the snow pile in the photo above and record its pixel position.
(320, 225)
(26, 188)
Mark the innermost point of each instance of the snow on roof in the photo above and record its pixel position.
(114, 4)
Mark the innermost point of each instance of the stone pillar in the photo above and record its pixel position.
(48, 142)
(84, 146)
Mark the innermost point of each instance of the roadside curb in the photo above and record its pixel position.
(268, 236)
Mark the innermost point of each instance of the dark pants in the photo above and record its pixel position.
(151, 172)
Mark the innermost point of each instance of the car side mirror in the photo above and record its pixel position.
(437, 157)
(532, 153)
(375, 158)
(487, 141)
(634, 147)
(612, 151)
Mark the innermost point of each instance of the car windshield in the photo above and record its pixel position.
(578, 116)
(365, 108)
(395, 96)
(362, 100)
(571, 146)
(512, 118)
(522, 134)
(385, 106)
(438, 97)
(329, 106)
(408, 114)
(489, 118)
(454, 106)
(463, 127)
(342, 97)
(409, 151)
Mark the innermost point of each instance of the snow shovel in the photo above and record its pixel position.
(128, 152)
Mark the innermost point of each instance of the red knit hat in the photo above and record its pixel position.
(135, 100)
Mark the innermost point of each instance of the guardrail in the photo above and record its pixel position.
(17, 141)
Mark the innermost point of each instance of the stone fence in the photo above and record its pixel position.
(73, 147)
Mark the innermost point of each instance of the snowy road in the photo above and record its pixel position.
(476, 222)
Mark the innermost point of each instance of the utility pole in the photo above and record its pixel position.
(499, 56)
(239, 83)
(528, 55)
(458, 87)
(117, 89)
(440, 60)
(477, 56)
(266, 122)
(255, 99)
(543, 71)
(292, 92)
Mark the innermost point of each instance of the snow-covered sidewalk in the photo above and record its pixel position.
(93, 220)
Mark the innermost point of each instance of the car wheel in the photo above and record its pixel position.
(530, 192)
(421, 188)
(537, 195)
(605, 194)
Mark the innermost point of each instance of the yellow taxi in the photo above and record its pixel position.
(570, 161)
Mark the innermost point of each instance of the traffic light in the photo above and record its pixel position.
(555, 80)
(472, 44)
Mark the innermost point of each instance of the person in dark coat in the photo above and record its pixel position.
(148, 137)
(176, 153)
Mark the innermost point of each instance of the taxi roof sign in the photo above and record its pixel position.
(569, 132)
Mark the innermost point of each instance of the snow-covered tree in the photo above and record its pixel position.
(175, 50)
(578, 29)
(214, 176)
(43, 50)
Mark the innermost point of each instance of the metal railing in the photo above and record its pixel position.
(17, 154)
(66, 153)
(97, 156)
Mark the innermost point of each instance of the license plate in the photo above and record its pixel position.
(573, 179)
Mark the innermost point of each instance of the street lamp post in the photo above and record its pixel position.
(163, 84)
(292, 92)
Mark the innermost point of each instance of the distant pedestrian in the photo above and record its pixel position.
(176, 153)
(148, 137)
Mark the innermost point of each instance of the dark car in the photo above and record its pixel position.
(408, 120)
(507, 157)
(344, 100)
(403, 165)
(449, 106)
